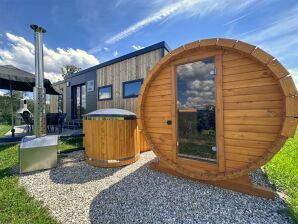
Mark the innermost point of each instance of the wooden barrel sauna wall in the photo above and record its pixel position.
(110, 138)
(255, 102)
(142, 143)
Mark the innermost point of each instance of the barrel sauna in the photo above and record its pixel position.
(215, 110)
(142, 143)
(110, 138)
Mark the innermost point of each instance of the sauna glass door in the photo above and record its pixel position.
(196, 101)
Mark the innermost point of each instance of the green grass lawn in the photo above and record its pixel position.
(282, 170)
(16, 206)
(4, 129)
(70, 143)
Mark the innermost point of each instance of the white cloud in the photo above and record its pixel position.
(20, 53)
(95, 50)
(278, 37)
(120, 2)
(275, 29)
(137, 47)
(282, 46)
(98, 49)
(115, 53)
(105, 95)
(2, 92)
(236, 19)
(294, 73)
(185, 7)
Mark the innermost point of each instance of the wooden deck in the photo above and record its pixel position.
(21, 131)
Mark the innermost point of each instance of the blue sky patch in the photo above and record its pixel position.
(86, 33)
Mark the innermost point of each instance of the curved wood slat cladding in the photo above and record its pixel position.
(158, 108)
(256, 118)
(141, 142)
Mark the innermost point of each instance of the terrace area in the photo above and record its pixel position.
(22, 131)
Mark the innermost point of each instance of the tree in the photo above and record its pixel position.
(67, 70)
(5, 109)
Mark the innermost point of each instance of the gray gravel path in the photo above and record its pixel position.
(75, 192)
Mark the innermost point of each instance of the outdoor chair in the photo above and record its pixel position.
(52, 121)
(61, 119)
(28, 120)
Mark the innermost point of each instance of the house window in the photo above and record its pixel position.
(132, 88)
(105, 92)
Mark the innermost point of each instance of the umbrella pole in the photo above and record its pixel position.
(11, 105)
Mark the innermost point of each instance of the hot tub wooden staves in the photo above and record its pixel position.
(256, 109)
(111, 138)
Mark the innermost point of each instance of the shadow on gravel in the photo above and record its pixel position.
(146, 196)
(79, 172)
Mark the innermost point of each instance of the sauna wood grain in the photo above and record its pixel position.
(256, 103)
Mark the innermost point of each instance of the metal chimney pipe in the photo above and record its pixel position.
(39, 90)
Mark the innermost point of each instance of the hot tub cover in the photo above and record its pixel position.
(112, 112)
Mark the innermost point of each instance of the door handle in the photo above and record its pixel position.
(169, 122)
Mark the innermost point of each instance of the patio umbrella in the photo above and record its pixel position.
(17, 79)
(12, 78)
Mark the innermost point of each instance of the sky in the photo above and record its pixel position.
(89, 32)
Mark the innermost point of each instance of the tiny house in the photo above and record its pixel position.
(112, 84)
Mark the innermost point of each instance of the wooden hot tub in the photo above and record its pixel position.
(110, 138)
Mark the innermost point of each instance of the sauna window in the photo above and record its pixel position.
(132, 88)
(105, 92)
(196, 110)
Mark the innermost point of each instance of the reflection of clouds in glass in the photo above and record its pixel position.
(197, 79)
(105, 95)
(199, 102)
(105, 92)
(205, 85)
(197, 93)
(196, 70)
(178, 104)
(132, 88)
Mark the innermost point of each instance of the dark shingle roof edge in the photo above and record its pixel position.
(145, 50)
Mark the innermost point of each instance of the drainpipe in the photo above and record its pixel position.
(39, 90)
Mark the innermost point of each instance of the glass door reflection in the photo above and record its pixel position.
(196, 102)
(79, 101)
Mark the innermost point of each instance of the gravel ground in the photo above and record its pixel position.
(75, 192)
